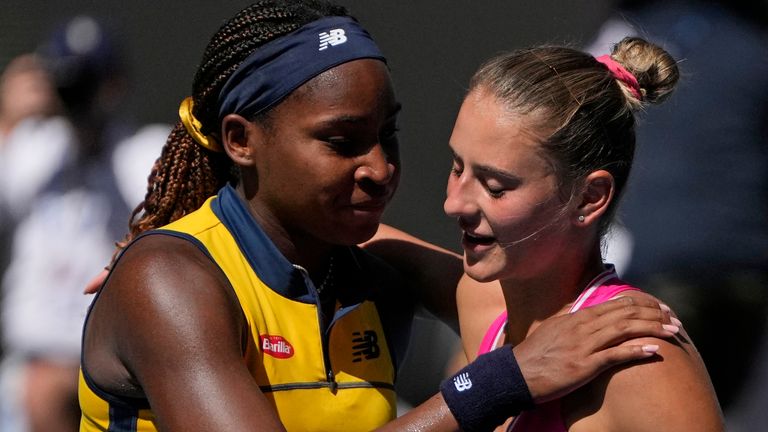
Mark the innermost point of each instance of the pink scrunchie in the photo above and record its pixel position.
(622, 75)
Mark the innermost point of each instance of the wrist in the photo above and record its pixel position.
(486, 392)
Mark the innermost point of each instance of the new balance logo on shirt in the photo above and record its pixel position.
(332, 38)
(365, 345)
(462, 382)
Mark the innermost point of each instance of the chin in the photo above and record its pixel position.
(356, 235)
(480, 272)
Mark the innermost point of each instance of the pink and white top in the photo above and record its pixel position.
(546, 417)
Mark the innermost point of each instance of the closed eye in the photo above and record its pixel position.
(457, 167)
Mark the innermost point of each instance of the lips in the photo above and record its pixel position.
(371, 205)
(371, 201)
(475, 239)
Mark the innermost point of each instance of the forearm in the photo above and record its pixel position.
(431, 416)
(431, 271)
(480, 397)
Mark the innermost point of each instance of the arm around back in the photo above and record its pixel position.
(430, 271)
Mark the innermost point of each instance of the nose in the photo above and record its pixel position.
(377, 166)
(458, 199)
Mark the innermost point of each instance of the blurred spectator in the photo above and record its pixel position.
(26, 96)
(25, 91)
(67, 228)
(696, 215)
(29, 156)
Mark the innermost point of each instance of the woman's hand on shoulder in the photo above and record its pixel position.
(669, 391)
(93, 285)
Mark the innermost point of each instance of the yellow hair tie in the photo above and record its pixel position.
(193, 125)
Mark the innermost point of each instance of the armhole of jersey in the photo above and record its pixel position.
(396, 315)
(125, 401)
(190, 238)
(396, 322)
(112, 399)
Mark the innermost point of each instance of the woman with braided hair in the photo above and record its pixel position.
(239, 300)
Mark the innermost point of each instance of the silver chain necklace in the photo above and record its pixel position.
(328, 280)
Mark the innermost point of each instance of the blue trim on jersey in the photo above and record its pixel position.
(190, 238)
(124, 403)
(353, 284)
(122, 419)
(266, 260)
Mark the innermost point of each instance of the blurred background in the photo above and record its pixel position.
(152, 50)
(432, 48)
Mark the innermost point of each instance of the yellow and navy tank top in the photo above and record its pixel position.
(339, 378)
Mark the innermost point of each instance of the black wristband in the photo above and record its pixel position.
(488, 391)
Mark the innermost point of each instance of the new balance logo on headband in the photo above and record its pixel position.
(333, 38)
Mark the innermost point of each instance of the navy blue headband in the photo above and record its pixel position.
(280, 66)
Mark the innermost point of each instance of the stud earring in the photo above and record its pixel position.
(581, 218)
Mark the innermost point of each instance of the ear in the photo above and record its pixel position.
(240, 137)
(595, 198)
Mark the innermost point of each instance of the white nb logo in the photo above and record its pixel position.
(462, 382)
(333, 38)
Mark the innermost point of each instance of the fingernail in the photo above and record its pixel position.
(671, 328)
(676, 321)
(664, 307)
(651, 349)
(623, 297)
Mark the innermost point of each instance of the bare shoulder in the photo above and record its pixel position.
(167, 326)
(479, 304)
(163, 272)
(670, 391)
(161, 293)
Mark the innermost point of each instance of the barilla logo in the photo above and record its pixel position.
(276, 346)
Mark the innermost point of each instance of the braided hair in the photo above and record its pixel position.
(186, 173)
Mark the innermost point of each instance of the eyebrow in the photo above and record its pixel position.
(496, 172)
(489, 170)
(345, 118)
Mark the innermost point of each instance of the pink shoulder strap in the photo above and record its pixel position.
(604, 287)
(492, 335)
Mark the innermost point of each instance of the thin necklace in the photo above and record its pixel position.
(328, 280)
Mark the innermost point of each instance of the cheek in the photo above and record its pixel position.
(506, 225)
(514, 221)
(335, 180)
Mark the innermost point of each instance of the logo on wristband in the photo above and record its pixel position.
(462, 382)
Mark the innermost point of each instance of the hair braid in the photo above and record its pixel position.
(186, 174)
